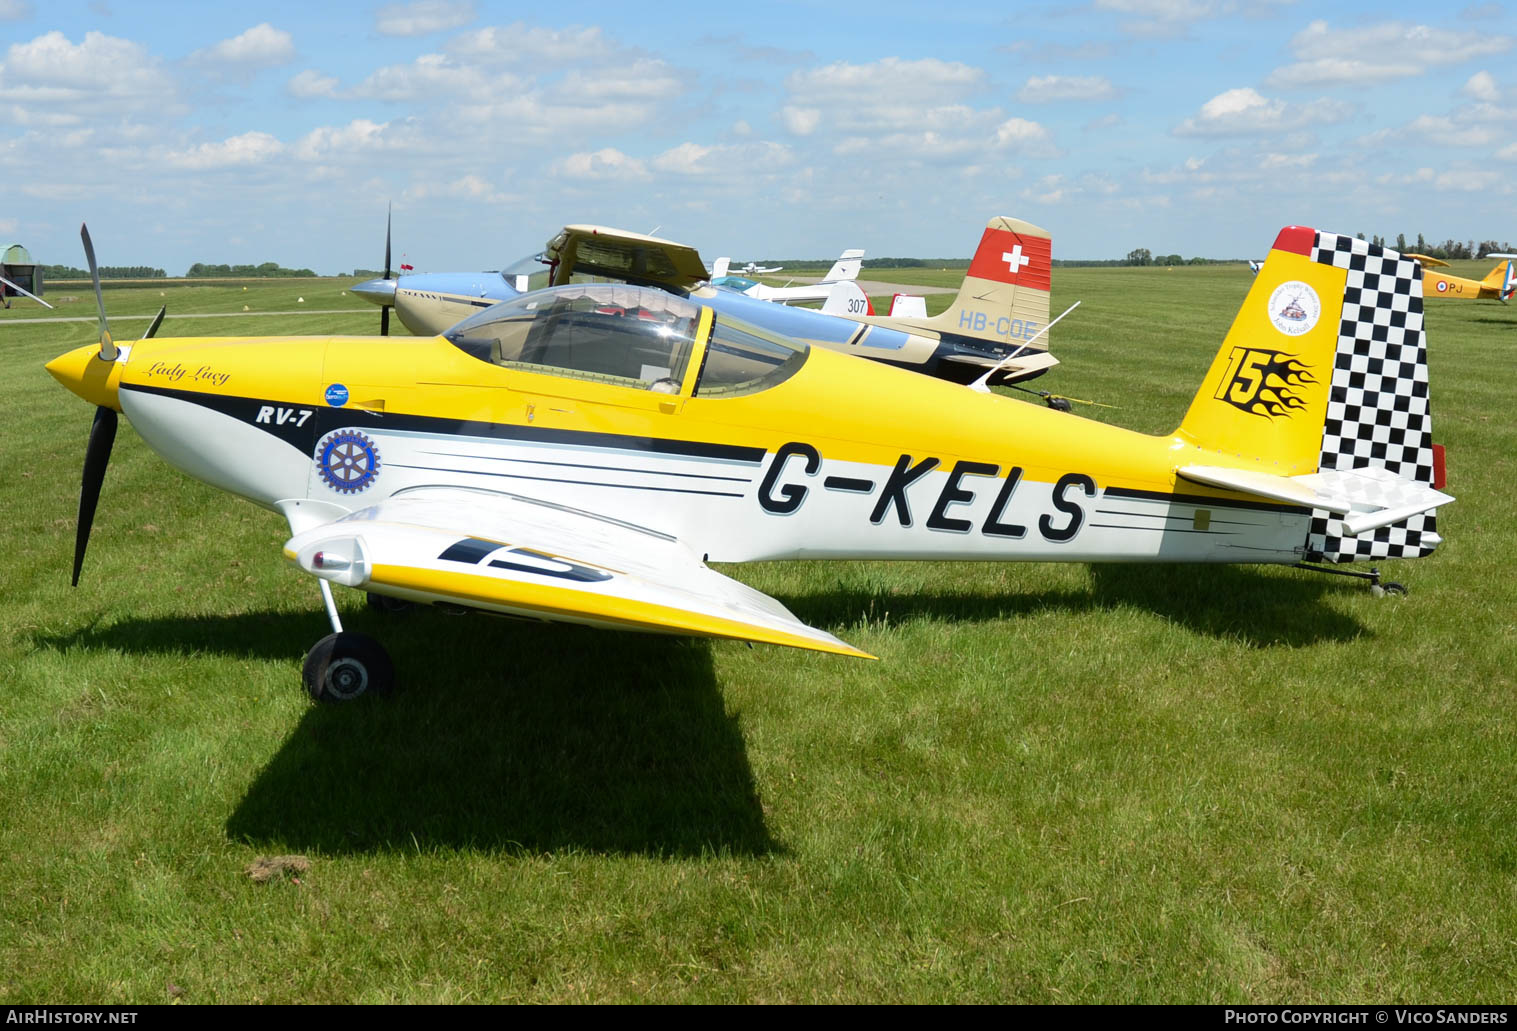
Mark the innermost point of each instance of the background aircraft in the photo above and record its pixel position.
(844, 270)
(580, 453)
(723, 266)
(1001, 310)
(1499, 283)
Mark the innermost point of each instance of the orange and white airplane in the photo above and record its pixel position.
(581, 453)
(1500, 283)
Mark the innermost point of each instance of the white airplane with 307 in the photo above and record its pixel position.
(581, 453)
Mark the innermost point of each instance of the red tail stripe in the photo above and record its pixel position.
(1030, 266)
(1296, 239)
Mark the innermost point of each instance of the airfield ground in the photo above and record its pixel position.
(1061, 783)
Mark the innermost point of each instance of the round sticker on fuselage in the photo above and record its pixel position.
(1294, 308)
(337, 395)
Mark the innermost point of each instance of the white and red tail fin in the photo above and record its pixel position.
(1004, 298)
(1502, 278)
(848, 300)
(908, 306)
(1324, 371)
(846, 267)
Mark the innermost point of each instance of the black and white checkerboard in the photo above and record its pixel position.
(1377, 410)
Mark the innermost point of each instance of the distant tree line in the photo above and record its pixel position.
(268, 270)
(1448, 250)
(106, 272)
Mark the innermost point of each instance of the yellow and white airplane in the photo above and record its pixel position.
(581, 453)
(1499, 283)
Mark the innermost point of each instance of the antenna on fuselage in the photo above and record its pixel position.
(982, 385)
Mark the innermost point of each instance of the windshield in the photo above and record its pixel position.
(622, 335)
(744, 359)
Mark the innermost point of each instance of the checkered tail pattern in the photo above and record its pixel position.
(1377, 411)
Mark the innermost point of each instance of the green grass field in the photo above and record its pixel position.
(1061, 783)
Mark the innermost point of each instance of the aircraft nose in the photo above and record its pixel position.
(377, 291)
(82, 371)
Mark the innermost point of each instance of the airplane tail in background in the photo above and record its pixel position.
(1004, 298)
(846, 267)
(1502, 278)
(848, 300)
(1323, 376)
(719, 267)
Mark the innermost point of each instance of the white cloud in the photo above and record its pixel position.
(262, 46)
(1025, 137)
(606, 163)
(433, 76)
(1481, 86)
(14, 10)
(519, 43)
(1438, 130)
(251, 148)
(723, 161)
(335, 143)
(1399, 51)
(647, 79)
(468, 187)
(890, 81)
(50, 80)
(423, 17)
(311, 83)
(1158, 17)
(1508, 153)
(800, 120)
(1040, 89)
(1245, 112)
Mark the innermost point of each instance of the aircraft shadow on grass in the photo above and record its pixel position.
(1226, 602)
(537, 738)
(505, 735)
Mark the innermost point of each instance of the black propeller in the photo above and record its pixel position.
(97, 454)
(384, 313)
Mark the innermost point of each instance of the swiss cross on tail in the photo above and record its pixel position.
(1007, 257)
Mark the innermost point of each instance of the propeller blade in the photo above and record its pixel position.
(107, 345)
(157, 321)
(384, 321)
(25, 292)
(388, 273)
(96, 457)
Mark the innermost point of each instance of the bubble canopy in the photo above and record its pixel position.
(627, 336)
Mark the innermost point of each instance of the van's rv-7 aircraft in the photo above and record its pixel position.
(997, 321)
(581, 453)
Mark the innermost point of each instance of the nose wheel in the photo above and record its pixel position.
(345, 666)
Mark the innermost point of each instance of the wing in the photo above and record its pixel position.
(1365, 499)
(629, 257)
(515, 555)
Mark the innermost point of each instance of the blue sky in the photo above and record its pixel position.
(772, 128)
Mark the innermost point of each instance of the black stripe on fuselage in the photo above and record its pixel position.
(327, 418)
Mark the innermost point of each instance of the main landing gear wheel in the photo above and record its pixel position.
(1390, 587)
(388, 605)
(346, 666)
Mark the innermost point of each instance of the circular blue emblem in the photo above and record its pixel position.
(337, 395)
(347, 460)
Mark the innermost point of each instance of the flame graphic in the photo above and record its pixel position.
(1280, 379)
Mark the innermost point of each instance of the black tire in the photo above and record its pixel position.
(345, 667)
(1392, 587)
(388, 605)
(1060, 404)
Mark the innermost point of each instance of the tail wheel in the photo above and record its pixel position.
(346, 666)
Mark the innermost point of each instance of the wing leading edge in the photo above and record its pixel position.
(510, 554)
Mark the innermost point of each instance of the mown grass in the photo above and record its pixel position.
(1060, 783)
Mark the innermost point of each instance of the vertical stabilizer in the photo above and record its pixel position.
(1004, 298)
(1325, 368)
(846, 267)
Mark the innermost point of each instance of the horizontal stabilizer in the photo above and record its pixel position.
(1026, 364)
(1366, 498)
